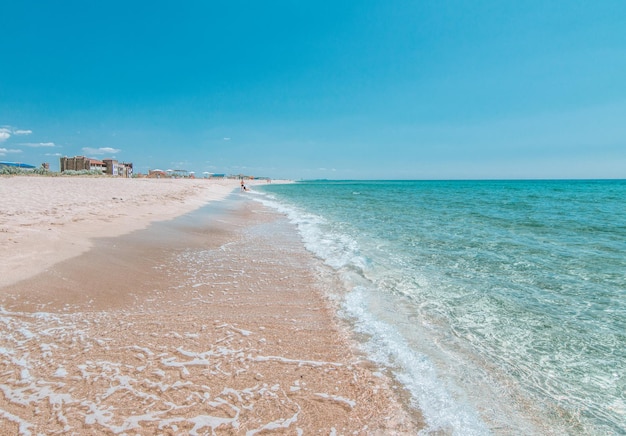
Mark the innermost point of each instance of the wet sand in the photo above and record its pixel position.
(213, 323)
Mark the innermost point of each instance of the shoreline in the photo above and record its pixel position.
(213, 321)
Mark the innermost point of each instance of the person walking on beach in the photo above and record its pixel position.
(243, 187)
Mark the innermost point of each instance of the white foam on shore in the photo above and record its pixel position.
(134, 387)
(441, 411)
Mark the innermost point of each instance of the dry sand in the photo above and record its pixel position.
(213, 323)
(44, 220)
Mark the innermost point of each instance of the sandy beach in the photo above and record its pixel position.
(133, 307)
(47, 219)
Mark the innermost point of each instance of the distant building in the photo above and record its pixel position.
(115, 168)
(80, 163)
(157, 174)
(107, 166)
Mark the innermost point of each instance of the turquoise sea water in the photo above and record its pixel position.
(499, 305)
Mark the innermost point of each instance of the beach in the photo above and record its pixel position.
(48, 219)
(145, 306)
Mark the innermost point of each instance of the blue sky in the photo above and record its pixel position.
(319, 89)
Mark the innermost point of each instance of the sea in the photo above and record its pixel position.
(499, 306)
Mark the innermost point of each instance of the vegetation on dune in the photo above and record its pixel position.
(15, 171)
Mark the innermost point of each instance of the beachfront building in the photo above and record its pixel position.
(107, 166)
(115, 168)
(157, 174)
(80, 163)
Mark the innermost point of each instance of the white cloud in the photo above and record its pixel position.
(4, 134)
(5, 151)
(101, 150)
(7, 131)
(38, 144)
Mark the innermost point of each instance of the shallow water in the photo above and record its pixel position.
(500, 305)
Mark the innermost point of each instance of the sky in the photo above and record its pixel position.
(300, 89)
